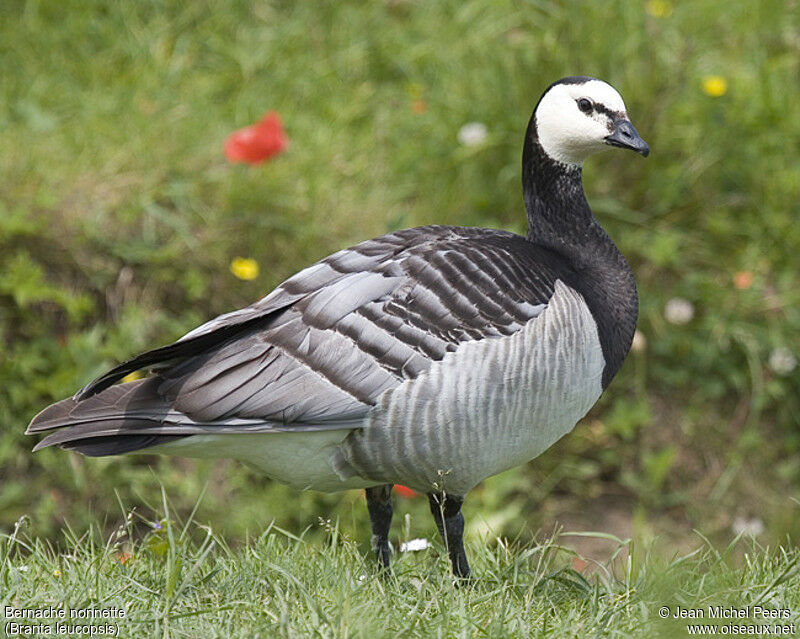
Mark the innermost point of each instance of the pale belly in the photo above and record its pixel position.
(302, 460)
(485, 408)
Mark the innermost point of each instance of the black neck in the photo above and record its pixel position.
(559, 218)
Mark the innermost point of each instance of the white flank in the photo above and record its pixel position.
(486, 407)
(489, 406)
(302, 459)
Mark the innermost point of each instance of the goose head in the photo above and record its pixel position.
(579, 116)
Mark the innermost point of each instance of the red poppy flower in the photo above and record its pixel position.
(743, 280)
(258, 142)
(404, 491)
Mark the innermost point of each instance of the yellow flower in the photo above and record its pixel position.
(131, 377)
(414, 90)
(715, 86)
(56, 573)
(659, 8)
(245, 268)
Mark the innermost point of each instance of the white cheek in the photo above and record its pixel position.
(568, 135)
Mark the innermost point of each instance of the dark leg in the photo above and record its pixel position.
(446, 511)
(379, 504)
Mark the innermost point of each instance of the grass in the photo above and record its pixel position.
(183, 580)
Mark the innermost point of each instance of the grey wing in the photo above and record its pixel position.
(364, 320)
(323, 347)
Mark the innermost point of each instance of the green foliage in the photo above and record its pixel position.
(181, 579)
(119, 218)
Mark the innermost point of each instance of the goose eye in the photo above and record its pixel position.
(585, 105)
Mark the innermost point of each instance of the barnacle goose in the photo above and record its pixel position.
(432, 357)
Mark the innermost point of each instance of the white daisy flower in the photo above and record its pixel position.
(414, 545)
(639, 344)
(782, 361)
(472, 134)
(748, 527)
(679, 311)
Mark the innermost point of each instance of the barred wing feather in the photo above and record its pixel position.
(321, 349)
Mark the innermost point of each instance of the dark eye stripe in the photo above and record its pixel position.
(602, 108)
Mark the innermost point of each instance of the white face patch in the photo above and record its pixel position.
(566, 133)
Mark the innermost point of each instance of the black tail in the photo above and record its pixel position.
(177, 351)
(116, 444)
(120, 419)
